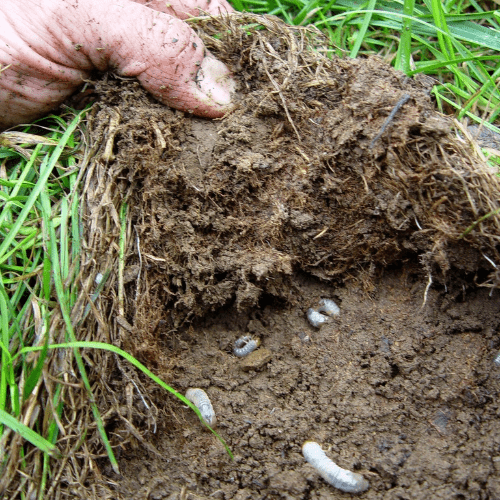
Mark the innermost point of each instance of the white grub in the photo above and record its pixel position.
(329, 307)
(200, 399)
(315, 318)
(342, 479)
(244, 346)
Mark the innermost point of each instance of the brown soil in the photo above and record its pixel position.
(406, 395)
(246, 222)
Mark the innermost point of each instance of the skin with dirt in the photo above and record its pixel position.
(243, 224)
(49, 47)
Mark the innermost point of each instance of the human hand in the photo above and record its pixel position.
(48, 47)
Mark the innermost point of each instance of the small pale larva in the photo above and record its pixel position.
(329, 307)
(326, 306)
(315, 318)
(342, 479)
(244, 346)
(200, 399)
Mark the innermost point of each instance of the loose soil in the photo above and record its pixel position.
(240, 225)
(404, 394)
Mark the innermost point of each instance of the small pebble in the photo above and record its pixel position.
(256, 359)
(304, 337)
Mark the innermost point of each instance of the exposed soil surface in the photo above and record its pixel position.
(407, 396)
(305, 192)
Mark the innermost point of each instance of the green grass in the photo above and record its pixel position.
(39, 259)
(455, 41)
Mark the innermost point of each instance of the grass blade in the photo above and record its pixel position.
(364, 27)
(403, 56)
(138, 365)
(64, 306)
(29, 434)
(46, 169)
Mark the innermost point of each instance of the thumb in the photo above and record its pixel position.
(203, 88)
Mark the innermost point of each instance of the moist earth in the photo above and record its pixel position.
(404, 393)
(305, 191)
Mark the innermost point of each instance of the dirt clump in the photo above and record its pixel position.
(307, 190)
(299, 176)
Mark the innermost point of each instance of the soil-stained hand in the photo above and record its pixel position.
(48, 47)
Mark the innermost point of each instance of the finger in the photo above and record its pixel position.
(184, 9)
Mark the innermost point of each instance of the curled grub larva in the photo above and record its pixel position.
(329, 307)
(344, 480)
(200, 399)
(326, 306)
(315, 318)
(244, 346)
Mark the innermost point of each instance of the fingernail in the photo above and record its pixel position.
(215, 80)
